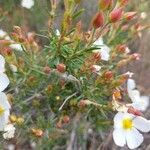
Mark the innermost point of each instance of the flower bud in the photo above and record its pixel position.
(37, 132)
(115, 15)
(122, 48)
(46, 69)
(97, 56)
(134, 111)
(61, 68)
(7, 51)
(13, 118)
(129, 15)
(123, 2)
(66, 119)
(98, 20)
(108, 74)
(20, 120)
(105, 4)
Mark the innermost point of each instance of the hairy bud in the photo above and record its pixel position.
(98, 20)
(115, 15)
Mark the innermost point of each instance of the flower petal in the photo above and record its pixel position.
(4, 101)
(134, 95)
(144, 102)
(105, 53)
(119, 137)
(141, 124)
(2, 122)
(134, 138)
(131, 84)
(4, 82)
(2, 64)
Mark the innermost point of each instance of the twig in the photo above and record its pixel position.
(60, 108)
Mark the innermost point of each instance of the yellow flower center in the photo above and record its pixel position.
(1, 110)
(127, 123)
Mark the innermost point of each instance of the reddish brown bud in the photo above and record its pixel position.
(129, 15)
(66, 119)
(123, 2)
(108, 74)
(7, 51)
(134, 111)
(121, 48)
(115, 15)
(98, 20)
(47, 69)
(61, 68)
(105, 4)
(97, 56)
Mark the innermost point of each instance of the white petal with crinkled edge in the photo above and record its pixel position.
(134, 138)
(119, 137)
(2, 64)
(141, 124)
(131, 84)
(4, 101)
(98, 42)
(144, 102)
(105, 53)
(4, 82)
(134, 95)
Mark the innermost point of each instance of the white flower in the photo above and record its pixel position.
(16, 46)
(27, 3)
(139, 102)
(57, 32)
(9, 131)
(4, 35)
(104, 49)
(126, 129)
(4, 81)
(4, 110)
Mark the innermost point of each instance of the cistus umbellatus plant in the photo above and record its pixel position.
(71, 90)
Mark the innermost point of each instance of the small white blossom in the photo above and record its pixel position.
(27, 3)
(16, 46)
(104, 49)
(126, 129)
(57, 32)
(4, 35)
(139, 102)
(9, 131)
